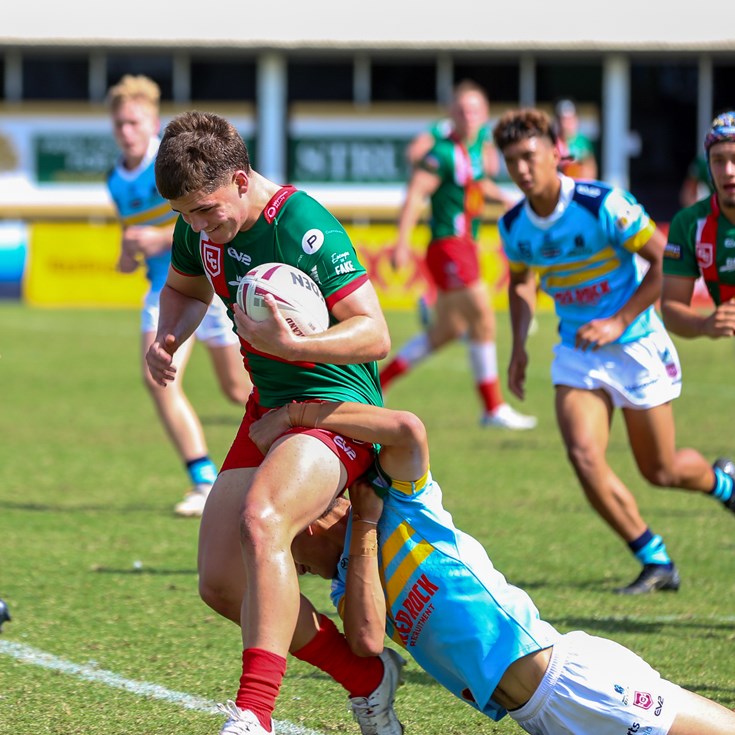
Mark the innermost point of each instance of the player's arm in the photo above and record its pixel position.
(147, 240)
(599, 332)
(404, 453)
(419, 147)
(681, 318)
(521, 305)
(183, 302)
(364, 609)
(420, 187)
(360, 334)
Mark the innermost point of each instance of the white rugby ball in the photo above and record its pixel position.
(297, 297)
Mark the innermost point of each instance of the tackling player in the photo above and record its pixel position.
(231, 220)
(147, 229)
(582, 239)
(398, 563)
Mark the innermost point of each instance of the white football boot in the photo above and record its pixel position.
(192, 505)
(375, 714)
(506, 417)
(241, 721)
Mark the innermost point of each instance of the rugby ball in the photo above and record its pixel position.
(297, 296)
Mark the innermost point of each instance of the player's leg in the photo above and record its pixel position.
(652, 437)
(182, 426)
(473, 303)
(224, 351)
(448, 324)
(220, 562)
(293, 486)
(701, 716)
(584, 418)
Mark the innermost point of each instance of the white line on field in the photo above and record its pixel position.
(89, 672)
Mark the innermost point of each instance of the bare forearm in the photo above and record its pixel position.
(521, 306)
(364, 611)
(179, 314)
(683, 320)
(644, 296)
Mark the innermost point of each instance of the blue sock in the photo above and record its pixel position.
(650, 549)
(202, 471)
(723, 486)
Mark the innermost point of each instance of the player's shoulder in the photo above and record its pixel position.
(686, 219)
(592, 194)
(513, 215)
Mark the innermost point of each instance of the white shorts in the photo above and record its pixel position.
(640, 374)
(594, 686)
(215, 329)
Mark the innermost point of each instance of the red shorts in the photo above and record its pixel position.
(356, 456)
(453, 263)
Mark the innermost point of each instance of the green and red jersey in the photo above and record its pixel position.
(294, 229)
(457, 203)
(702, 243)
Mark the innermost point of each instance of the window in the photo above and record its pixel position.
(55, 77)
(320, 81)
(157, 67)
(412, 81)
(223, 80)
(499, 80)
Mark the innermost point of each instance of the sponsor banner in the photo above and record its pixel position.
(73, 264)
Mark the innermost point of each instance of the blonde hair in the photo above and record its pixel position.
(136, 88)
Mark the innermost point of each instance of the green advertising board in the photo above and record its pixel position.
(348, 159)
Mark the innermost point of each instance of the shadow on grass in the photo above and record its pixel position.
(643, 625)
(107, 508)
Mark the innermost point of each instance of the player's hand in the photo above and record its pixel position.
(517, 373)
(269, 427)
(272, 336)
(146, 241)
(160, 360)
(598, 333)
(721, 322)
(400, 256)
(366, 505)
(127, 263)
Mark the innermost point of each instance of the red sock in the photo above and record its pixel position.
(329, 651)
(394, 369)
(262, 673)
(490, 394)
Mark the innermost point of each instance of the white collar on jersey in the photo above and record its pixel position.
(565, 198)
(150, 154)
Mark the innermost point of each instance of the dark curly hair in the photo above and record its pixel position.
(517, 125)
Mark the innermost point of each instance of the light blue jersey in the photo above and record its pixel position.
(138, 203)
(584, 254)
(447, 605)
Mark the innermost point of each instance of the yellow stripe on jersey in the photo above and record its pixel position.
(605, 254)
(142, 217)
(640, 238)
(398, 540)
(409, 488)
(582, 276)
(517, 267)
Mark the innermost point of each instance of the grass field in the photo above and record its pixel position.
(87, 484)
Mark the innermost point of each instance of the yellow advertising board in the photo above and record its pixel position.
(73, 264)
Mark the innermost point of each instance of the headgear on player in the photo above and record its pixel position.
(722, 131)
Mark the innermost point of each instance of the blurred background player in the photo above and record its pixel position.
(454, 176)
(702, 244)
(577, 152)
(696, 184)
(614, 351)
(147, 231)
(398, 563)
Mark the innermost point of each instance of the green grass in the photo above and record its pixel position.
(87, 483)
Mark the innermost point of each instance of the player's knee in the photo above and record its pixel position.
(659, 475)
(262, 527)
(219, 597)
(585, 460)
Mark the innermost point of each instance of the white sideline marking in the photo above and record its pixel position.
(30, 655)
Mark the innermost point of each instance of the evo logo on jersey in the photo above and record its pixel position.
(240, 257)
(341, 442)
(312, 241)
(415, 610)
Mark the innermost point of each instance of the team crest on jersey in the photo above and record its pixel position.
(705, 254)
(212, 258)
(643, 700)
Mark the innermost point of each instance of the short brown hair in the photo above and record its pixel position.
(136, 88)
(517, 125)
(199, 152)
